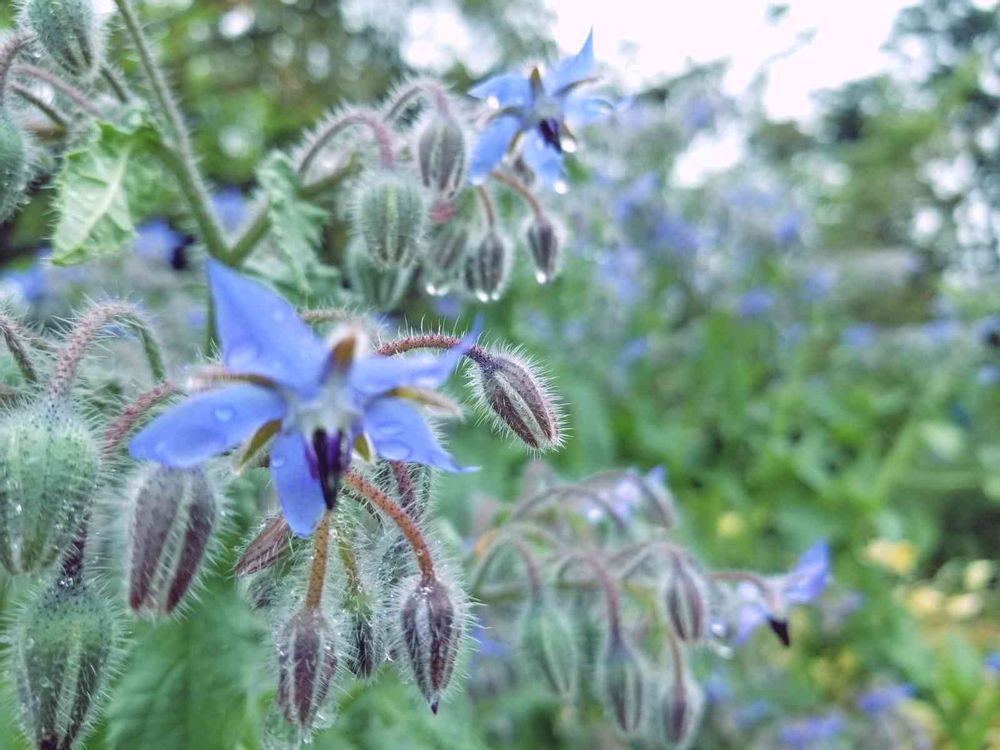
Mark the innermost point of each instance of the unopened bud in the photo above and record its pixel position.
(432, 623)
(366, 647)
(623, 682)
(549, 644)
(679, 710)
(307, 663)
(61, 647)
(379, 288)
(443, 257)
(173, 514)
(487, 268)
(543, 240)
(390, 219)
(441, 155)
(272, 541)
(49, 463)
(518, 399)
(69, 31)
(685, 597)
(13, 166)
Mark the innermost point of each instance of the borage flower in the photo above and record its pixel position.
(319, 401)
(541, 109)
(771, 600)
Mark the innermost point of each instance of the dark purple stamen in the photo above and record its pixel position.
(780, 628)
(549, 128)
(330, 464)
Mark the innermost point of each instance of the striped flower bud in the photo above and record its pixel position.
(69, 31)
(678, 711)
(441, 155)
(444, 255)
(307, 663)
(389, 218)
(518, 399)
(685, 598)
(623, 683)
(60, 649)
(543, 240)
(49, 463)
(487, 268)
(173, 514)
(549, 645)
(13, 166)
(432, 621)
(366, 647)
(379, 288)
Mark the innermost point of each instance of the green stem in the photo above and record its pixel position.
(68, 90)
(48, 110)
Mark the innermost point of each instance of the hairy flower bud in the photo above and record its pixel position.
(49, 463)
(441, 155)
(366, 647)
(173, 514)
(518, 399)
(543, 240)
(549, 644)
(685, 597)
(61, 646)
(443, 258)
(487, 268)
(13, 166)
(307, 662)
(389, 218)
(69, 31)
(623, 683)
(678, 710)
(379, 288)
(432, 623)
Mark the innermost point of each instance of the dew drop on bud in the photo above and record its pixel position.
(487, 267)
(379, 288)
(543, 240)
(307, 663)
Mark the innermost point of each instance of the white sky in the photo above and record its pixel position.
(644, 39)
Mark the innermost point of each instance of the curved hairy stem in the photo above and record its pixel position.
(487, 205)
(607, 584)
(71, 92)
(383, 138)
(522, 190)
(40, 104)
(8, 54)
(423, 88)
(131, 414)
(317, 571)
(18, 338)
(435, 341)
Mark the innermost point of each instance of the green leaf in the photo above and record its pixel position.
(194, 681)
(296, 225)
(103, 187)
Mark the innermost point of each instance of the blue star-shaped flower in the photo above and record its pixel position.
(320, 401)
(538, 108)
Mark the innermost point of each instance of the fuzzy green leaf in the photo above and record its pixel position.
(104, 186)
(194, 681)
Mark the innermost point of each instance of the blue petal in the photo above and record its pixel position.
(583, 110)
(261, 334)
(572, 69)
(508, 89)
(751, 616)
(808, 578)
(298, 490)
(374, 375)
(545, 161)
(491, 146)
(399, 433)
(206, 425)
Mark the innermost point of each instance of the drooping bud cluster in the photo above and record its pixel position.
(307, 662)
(49, 463)
(13, 165)
(441, 155)
(432, 624)
(487, 267)
(173, 514)
(70, 33)
(389, 217)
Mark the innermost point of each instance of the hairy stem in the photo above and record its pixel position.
(116, 84)
(17, 338)
(487, 204)
(435, 341)
(8, 54)
(65, 88)
(607, 584)
(383, 138)
(131, 414)
(41, 105)
(85, 332)
(192, 184)
(422, 88)
(521, 189)
(531, 567)
(399, 516)
(317, 572)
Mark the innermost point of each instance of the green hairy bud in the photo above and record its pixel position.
(443, 258)
(487, 268)
(366, 646)
(441, 155)
(685, 598)
(389, 217)
(70, 33)
(380, 288)
(173, 514)
(13, 166)
(549, 645)
(61, 646)
(307, 663)
(623, 682)
(543, 240)
(49, 464)
(679, 710)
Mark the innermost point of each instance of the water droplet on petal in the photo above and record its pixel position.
(277, 462)
(224, 413)
(561, 187)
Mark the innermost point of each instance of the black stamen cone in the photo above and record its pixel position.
(329, 470)
(549, 128)
(780, 628)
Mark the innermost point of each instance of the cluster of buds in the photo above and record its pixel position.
(613, 607)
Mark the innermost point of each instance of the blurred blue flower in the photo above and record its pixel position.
(698, 114)
(993, 662)
(801, 585)
(788, 229)
(988, 375)
(940, 330)
(540, 109)
(26, 285)
(156, 240)
(756, 303)
(231, 208)
(876, 702)
(321, 401)
(817, 284)
(811, 732)
(859, 335)
(678, 235)
(752, 713)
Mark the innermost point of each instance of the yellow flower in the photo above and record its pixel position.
(978, 574)
(964, 606)
(730, 524)
(896, 557)
(924, 601)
